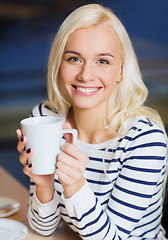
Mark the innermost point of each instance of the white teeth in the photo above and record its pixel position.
(87, 90)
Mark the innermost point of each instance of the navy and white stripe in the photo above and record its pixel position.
(127, 204)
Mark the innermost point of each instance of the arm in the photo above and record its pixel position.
(43, 211)
(44, 218)
(140, 181)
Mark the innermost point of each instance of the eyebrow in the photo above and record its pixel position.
(71, 51)
(106, 54)
(99, 55)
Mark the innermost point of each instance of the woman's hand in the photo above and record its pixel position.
(44, 183)
(71, 164)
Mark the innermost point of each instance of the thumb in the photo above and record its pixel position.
(68, 136)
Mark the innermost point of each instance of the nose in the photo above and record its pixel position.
(86, 72)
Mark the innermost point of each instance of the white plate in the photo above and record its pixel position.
(12, 230)
(13, 206)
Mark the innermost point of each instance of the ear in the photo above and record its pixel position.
(121, 73)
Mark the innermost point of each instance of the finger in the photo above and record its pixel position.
(71, 162)
(63, 167)
(27, 170)
(64, 178)
(21, 144)
(19, 133)
(67, 125)
(23, 158)
(71, 171)
(74, 151)
(68, 136)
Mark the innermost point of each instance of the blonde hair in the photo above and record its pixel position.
(128, 97)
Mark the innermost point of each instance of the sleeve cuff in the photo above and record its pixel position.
(84, 195)
(45, 209)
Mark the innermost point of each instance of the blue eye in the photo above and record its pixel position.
(73, 59)
(103, 61)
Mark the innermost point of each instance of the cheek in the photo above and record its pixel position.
(62, 80)
(65, 78)
(115, 75)
(62, 75)
(110, 78)
(111, 86)
(67, 74)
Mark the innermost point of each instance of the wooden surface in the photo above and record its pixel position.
(10, 187)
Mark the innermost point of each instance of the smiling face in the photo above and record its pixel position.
(91, 66)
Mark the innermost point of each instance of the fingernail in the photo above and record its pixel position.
(30, 165)
(17, 131)
(28, 150)
(22, 139)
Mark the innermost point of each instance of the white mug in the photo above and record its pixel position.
(44, 135)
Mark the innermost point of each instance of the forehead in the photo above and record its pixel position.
(98, 38)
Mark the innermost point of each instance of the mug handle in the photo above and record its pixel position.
(74, 132)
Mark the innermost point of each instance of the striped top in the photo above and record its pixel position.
(123, 203)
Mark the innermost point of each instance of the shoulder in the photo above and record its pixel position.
(144, 145)
(43, 109)
(142, 130)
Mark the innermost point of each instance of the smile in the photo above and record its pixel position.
(86, 90)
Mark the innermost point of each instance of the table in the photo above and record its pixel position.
(11, 187)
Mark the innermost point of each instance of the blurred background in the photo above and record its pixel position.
(27, 29)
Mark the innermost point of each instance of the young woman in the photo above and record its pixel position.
(109, 185)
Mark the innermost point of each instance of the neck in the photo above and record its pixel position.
(88, 122)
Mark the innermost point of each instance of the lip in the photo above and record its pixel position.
(86, 90)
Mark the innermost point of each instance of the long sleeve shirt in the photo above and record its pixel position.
(123, 195)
